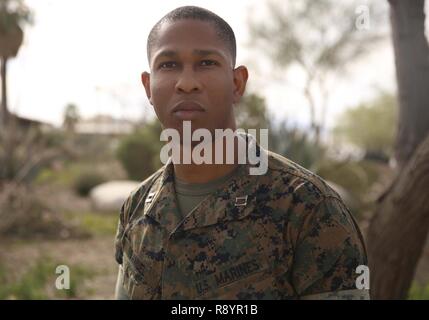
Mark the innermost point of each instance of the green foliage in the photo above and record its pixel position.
(98, 224)
(13, 12)
(370, 126)
(24, 214)
(251, 112)
(67, 173)
(296, 145)
(64, 177)
(418, 292)
(30, 286)
(355, 177)
(87, 180)
(54, 138)
(139, 152)
(95, 223)
(39, 282)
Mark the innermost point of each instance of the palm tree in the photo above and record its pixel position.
(13, 14)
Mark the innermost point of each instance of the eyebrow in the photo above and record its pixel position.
(198, 52)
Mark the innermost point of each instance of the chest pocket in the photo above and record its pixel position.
(241, 257)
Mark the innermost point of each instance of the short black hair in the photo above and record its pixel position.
(223, 29)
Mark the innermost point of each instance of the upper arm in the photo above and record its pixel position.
(120, 293)
(120, 231)
(328, 251)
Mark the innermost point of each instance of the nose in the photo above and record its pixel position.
(188, 82)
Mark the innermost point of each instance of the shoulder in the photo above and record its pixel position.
(313, 207)
(300, 182)
(139, 193)
(323, 234)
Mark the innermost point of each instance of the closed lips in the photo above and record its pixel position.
(187, 106)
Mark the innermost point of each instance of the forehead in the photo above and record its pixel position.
(189, 35)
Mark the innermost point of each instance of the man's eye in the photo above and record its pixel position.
(167, 65)
(208, 63)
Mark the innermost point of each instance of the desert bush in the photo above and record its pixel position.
(139, 152)
(357, 177)
(87, 180)
(370, 126)
(23, 214)
(296, 145)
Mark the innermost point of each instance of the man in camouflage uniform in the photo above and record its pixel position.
(215, 231)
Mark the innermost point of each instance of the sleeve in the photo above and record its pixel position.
(134, 200)
(120, 293)
(120, 232)
(327, 253)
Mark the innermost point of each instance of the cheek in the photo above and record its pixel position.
(161, 90)
(220, 91)
(160, 87)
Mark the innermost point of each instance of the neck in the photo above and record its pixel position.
(202, 173)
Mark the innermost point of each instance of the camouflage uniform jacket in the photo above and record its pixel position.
(282, 235)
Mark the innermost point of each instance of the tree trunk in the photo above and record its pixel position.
(4, 112)
(10, 42)
(399, 227)
(412, 71)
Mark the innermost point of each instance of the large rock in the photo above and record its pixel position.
(111, 195)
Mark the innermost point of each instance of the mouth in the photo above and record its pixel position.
(187, 110)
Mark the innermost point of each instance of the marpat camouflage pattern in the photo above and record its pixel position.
(282, 235)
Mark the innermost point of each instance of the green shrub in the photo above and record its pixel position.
(351, 175)
(370, 126)
(139, 152)
(296, 145)
(24, 214)
(87, 180)
(356, 177)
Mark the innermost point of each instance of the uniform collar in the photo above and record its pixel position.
(233, 200)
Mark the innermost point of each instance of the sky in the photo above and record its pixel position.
(92, 52)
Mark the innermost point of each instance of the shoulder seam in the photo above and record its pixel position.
(290, 170)
(308, 180)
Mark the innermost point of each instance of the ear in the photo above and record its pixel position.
(240, 79)
(145, 77)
